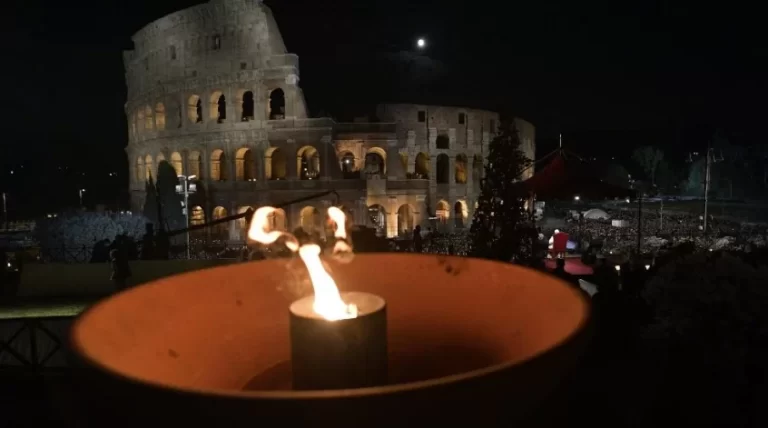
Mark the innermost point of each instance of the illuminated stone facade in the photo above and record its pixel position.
(213, 92)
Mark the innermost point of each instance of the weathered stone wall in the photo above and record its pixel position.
(250, 157)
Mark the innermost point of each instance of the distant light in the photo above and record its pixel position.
(617, 267)
(576, 198)
(421, 43)
(647, 267)
(11, 172)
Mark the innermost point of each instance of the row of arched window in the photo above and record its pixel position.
(308, 165)
(149, 118)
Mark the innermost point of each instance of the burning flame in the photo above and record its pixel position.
(328, 303)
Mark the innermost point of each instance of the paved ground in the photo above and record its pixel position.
(41, 308)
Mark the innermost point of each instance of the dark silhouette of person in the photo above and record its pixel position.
(100, 252)
(418, 243)
(148, 243)
(121, 271)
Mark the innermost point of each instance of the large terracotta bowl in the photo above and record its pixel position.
(469, 340)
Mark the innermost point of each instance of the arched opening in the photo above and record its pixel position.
(140, 118)
(443, 165)
(218, 107)
(148, 119)
(277, 104)
(177, 163)
(460, 213)
(421, 166)
(218, 166)
(277, 220)
(245, 166)
(310, 219)
(348, 169)
(160, 116)
(133, 124)
(404, 161)
(140, 172)
(308, 163)
(275, 164)
(220, 230)
(247, 106)
(148, 168)
(404, 220)
(242, 222)
(195, 109)
(443, 212)
(196, 216)
(160, 159)
(377, 219)
(375, 162)
(477, 170)
(195, 164)
(442, 142)
(461, 169)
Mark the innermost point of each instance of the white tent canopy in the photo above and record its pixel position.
(596, 214)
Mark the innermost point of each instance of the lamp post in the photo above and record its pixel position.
(80, 192)
(186, 188)
(707, 178)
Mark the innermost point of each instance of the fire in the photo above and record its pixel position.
(328, 303)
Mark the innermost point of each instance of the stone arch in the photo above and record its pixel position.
(196, 216)
(347, 164)
(134, 130)
(159, 159)
(405, 219)
(177, 163)
(148, 168)
(139, 173)
(217, 108)
(310, 219)
(443, 211)
(149, 121)
(460, 213)
(245, 165)
(246, 106)
(376, 161)
(195, 164)
(421, 166)
(218, 165)
(220, 229)
(195, 109)
(277, 220)
(276, 104)
(308, 163)
(160, 116)
(443, 165)
(140, 120)
(242, 222)
(377, 218)
(275, 164)
(460, 173)
(477, 169)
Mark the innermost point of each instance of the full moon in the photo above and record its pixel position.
(421, 43)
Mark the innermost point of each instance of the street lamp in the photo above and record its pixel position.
(186, 188)
(421, 43)
(80, 192)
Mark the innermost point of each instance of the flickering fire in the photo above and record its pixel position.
(328, 302)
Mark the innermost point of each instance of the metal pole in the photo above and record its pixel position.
(5, 210)
(706, 190)
(639, 221)
(186, 212)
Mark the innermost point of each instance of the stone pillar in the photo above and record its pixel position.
(291, 160)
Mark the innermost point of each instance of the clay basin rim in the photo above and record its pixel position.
(193, 332)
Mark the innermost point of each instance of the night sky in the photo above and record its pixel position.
(608, 75)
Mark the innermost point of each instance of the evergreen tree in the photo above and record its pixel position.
(502, 228)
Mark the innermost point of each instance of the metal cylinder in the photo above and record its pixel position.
(342, 354)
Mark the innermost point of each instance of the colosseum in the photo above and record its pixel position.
(213, 92)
